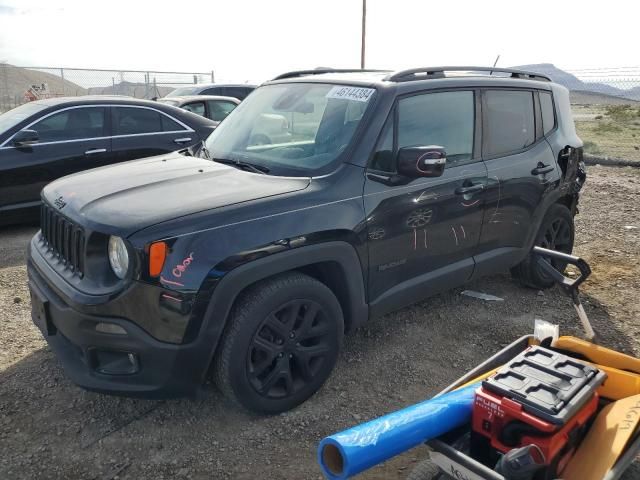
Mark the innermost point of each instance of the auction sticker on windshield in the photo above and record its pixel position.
(351, 93)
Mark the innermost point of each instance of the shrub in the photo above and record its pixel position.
(592, 147)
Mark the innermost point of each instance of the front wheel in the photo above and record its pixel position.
(281, 343)
(556, 232)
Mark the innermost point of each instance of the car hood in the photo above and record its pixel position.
(122, 199)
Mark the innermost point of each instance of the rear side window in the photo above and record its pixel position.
(509, 121)
(444, 118)
(72, 124)
(548, 116)
(131, 121)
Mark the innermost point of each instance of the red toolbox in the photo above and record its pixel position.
(541, 397)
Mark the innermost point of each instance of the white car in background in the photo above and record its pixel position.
(213, 107)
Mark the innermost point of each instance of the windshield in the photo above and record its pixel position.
(181, 92)
(13, 117)
(291, 128)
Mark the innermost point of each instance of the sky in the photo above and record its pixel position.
(254, 40)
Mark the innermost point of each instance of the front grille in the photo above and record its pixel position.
(63, 238)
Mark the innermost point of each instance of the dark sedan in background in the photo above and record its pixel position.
(47, 139)
(212, 107)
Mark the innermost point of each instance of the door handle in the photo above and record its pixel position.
(541, 169)
(477, 187)
(93, 151)
(182, 140)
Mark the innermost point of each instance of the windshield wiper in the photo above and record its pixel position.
(242, 165)
(204, 150)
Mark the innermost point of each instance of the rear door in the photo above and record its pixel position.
(422, 232)
(144, 132)
(70, 140)
(521, 169)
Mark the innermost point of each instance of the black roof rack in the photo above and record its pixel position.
(319, 71)
(439, 72)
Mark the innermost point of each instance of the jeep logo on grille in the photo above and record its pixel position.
(59, 202)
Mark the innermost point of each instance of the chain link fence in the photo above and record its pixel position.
(606, 101)
(606, 111)
(19, 84)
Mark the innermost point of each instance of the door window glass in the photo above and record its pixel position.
(383, 157)
(214, 91)
(237, 92)
(218, 110)
(509, 121)
(73, 124)
(130, 121)
(195, 107)
(169, 125)
(548, 117)
(445, 119)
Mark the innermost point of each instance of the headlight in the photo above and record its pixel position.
(118, 256)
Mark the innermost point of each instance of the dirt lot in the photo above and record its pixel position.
(51, 429)
(611, 130)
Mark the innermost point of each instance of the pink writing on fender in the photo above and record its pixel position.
(180, 268)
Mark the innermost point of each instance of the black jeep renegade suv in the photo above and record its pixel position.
(325, 199)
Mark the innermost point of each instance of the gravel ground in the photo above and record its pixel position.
(51, 429)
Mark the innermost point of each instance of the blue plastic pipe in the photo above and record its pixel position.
(352, 451)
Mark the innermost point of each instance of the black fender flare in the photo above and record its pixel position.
(233, 283)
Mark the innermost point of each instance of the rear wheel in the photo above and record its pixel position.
(556, 232)
(281, 343)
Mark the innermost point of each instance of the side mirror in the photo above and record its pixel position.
(24, 138)
(421, 161)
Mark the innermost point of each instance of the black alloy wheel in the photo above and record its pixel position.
(288, 349)
(280, 344)
(556, 232)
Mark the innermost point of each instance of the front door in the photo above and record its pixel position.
(70, 140)
(422, 232)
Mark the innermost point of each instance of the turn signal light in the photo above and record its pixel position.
(157, 256)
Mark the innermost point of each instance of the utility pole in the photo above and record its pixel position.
(364, 32)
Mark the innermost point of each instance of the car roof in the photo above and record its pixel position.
(420, 78)
(210, 85)
(192, 98)
(94, 99)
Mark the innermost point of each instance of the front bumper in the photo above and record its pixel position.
(157, 370)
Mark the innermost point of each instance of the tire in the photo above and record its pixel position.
(426, 470)
(280, 344)
(556, 232)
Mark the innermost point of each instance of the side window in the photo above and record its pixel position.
(446, 119)
(548, 116)
(219, 110)
(169, 125)
(129, 121)
(237, 92)
(72, 124)
(383, 159)
(195, 107)
(509, 121)
(213, 91)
